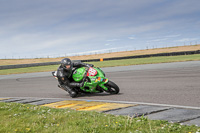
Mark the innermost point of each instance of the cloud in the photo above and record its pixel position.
(187, 39)
(100, 51)
(113, 40)
(164, 38)
(158, 40)
(50, 27)
(131, 38)
(173, 36)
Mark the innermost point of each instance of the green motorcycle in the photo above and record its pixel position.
(94, 81)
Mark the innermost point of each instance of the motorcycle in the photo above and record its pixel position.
(94, 81)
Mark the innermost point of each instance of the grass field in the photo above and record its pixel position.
(21, 118)
(137, 61)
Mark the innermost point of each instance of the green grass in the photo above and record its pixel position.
(29, 70)
(23, 118)
(150, 60)
(126, 62)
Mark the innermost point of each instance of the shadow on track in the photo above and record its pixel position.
(96, 94)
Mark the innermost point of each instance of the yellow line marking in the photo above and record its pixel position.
(63, 104)
(88, 106)
(4, 98)
(108, 106)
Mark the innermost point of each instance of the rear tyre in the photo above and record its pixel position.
(112, 87)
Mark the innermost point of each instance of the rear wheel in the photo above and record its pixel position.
(112, 87)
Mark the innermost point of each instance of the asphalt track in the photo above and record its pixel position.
(168, 91)
(168, 83)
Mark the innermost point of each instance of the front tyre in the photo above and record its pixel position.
(112, 87)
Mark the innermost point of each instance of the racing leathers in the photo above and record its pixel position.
(65, 78)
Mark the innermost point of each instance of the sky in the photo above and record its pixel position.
(49, 28)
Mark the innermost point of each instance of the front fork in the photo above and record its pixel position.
(102, 84)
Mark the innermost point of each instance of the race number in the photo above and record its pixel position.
(92, 72)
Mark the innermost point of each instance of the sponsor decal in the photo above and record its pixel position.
(93, 79)
(98, 79)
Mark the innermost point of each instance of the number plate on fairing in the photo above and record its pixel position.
(91, 72)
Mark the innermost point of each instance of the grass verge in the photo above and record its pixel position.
(150, 60)
(24, 118)
(126, 62)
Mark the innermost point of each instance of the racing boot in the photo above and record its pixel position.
(71, 91)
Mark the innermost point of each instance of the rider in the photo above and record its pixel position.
(64, 74)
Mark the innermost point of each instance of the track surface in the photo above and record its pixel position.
(168, 83)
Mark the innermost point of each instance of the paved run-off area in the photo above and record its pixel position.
(167, 83)
(180, 114)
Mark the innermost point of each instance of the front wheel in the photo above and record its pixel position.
(112, 87)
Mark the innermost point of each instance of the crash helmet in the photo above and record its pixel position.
(66, 64)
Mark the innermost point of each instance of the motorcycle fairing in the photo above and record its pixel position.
(98, 80)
